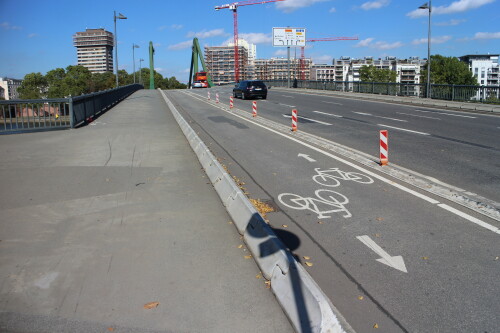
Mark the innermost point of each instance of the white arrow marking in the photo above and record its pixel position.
(306, 157)
(396, 262)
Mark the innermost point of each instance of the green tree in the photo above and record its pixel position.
(55, 81)
(124, 78)
(373, 74)
(77, 81)
(34, 86)
(449, 70)
(103, 81)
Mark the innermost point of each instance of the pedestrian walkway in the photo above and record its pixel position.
(97, 222)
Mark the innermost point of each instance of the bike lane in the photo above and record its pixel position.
(387, 258)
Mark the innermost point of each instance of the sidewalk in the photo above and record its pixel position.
(96, 222)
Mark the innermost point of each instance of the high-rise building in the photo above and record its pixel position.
(94, 48)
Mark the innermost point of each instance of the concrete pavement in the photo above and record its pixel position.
(99, 221)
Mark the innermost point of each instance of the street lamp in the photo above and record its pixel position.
(120, 17)
(140, 70)
(428, 5)
(134, 46)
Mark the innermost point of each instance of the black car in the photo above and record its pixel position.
(248, 89)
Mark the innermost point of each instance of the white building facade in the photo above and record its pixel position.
(8, 88)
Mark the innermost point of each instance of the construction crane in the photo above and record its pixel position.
(326, 39)
(234, 7)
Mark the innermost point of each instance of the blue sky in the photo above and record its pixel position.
(36, 36)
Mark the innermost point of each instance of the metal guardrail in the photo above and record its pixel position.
(458, 93)
(45, 114)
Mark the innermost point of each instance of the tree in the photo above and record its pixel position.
(449, 70)
(77, 81)
(373, 74)
(34, 86)
(103, 81)
(55, 82)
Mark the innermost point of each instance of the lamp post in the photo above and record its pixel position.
(140, 70)
(428, 5)
(120, 17)
(134, 46)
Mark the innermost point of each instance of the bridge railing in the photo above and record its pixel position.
(59, 113)
(458, 93)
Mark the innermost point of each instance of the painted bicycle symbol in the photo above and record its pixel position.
(330, 177)
(326, 202)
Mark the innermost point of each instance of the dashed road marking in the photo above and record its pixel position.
(313, 120)
(369, 114)
(331, 114)
(404, 129)
(414, 115)
(332, 103)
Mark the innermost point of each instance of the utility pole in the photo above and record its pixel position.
(151, 66)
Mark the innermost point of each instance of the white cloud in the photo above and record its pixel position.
(280, 52)
(434, 40)
(455, 7)
(163, 27)
(380, 45)
(487, 35)
(252, 38)
(322, 59)
(182, 45)
(374, 4)
(159, 69)
(207, 34)
(450, 23)
(176, 26)
(289, 6)
(8, 26)
(32, 35)
(332, 10)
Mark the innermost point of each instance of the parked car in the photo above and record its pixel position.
(248, 89)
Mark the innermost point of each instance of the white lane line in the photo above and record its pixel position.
(447, 114)
(361, 169)
(290, 106)
(331, 114)
(403, 129)
(313, 120)
(369, 114)
(332, 103)
(470, 218)
(288, 96)
(414, 115)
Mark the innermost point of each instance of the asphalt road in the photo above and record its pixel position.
(392, 258)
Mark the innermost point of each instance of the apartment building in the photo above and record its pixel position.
(94, 48)
(485, 68)
(220, 63)
(277, 68)
(8, 88)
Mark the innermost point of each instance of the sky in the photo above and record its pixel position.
(37, 36)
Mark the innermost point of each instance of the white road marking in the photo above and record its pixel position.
(331, 114)
(447, 114)
(313, 120)
(288, 96)
(396, 262)
(414, 115)
(306, 157)
(470, 218)
(291, 106)
(369, 114)
(332, 103)
(403, 129)
(364, 170)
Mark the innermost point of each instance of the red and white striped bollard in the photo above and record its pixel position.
(384, 147)
(294, 120)
(217, 98)
(254, 109)
(208, 95)
(231, 105)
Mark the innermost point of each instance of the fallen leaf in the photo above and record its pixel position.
(111, 329)
(240, 246)
(284, 226)
(248, 257)
(306, 257)
(380, 218)
(425, 258)
(268, 284)
(360, 298)
(497, 258)
(258, 276)
(151, 305)
(377, 235)
(375, 326)
(230, 222)
(320, 222)
(309, 264)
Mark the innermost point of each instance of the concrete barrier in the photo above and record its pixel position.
(305, 304)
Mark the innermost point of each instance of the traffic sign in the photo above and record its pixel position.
(289, 37)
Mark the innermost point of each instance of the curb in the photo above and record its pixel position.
(304, 303)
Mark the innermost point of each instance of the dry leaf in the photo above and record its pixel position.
(248, 257)
(377, 235)
(320, 222)
(497, 258)
(360, 298)
(151, 305)
(258, 276)
(306, 257)
(240, 246)
(425, 258)
(309, 264)
(284, 226)
(230, 222)
(262, 207)
(268, 284)
(375, 326)
(111, 329)
(380, 218)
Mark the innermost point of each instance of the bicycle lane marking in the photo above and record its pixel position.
(368, 172)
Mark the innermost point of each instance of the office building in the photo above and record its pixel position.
(94, 48)
(8, 88)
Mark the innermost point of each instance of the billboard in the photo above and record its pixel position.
(289, 37)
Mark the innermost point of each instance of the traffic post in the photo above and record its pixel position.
(217, 98)
(254, 109)
(208, 95)
(384, 147)
(231, 105)
(294, 120)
